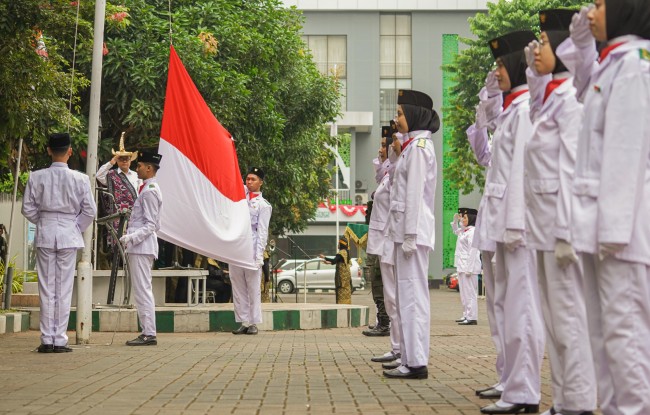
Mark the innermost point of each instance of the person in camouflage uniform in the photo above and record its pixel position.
(342, 278)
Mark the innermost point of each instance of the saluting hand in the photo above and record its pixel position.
(530, 51)
(492, 84)
(580, 33)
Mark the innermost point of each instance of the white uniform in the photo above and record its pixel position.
(412, 200)
(611, 199)
(467, 261)
(142, 249)
(59, 202)
(516, 299)
(376, 246)
(549, 166)
(246, 282)
(477, 134)
(130, 175)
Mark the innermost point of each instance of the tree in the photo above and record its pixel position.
(36, 43)
(471, 67)
(251, 66)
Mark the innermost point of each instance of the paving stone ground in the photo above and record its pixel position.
(283, 372)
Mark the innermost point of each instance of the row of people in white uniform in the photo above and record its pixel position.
(568, 179)
(401, 232)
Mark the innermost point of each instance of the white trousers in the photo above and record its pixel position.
(469, 294)
(413, 305)
(617, 296)
(573, 379)
(55, 280)
(390, 302)
(496, 327)
(517, 309)
(140, 268)
(246, 294)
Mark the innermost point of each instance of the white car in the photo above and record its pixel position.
(319, 275)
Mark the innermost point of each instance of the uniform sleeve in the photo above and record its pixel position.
(478, 141)
(102, 172)
(580, 62)
(626, 141)
(455, 228)
(570, 116)
(417, 169)
(515, 203)
(537, 87)
(88, 207)
(151, 213)
(30, 207)
(263, 230)
(488, 109)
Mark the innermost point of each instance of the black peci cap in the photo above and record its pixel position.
(147, 157)
(412, 97)
(555, 19)
(511, 42)
(257, 171)
(59, 140)
(467, 211)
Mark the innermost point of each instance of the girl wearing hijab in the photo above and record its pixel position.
(611, 195)
(342, 276)
(549, 164)
(517, 309)
(411, 228)
(467, 261)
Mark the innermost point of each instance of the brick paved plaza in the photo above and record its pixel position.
(283, 372)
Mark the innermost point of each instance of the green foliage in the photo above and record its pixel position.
(248, 61)
(344, 147)
(471, 67)
(7, 182)
(17, 281)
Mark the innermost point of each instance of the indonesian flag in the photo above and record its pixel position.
(205, 208)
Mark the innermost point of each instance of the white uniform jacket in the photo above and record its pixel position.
(504, 185)
(487, 113)
(549, 164)
(260, 211)
(131, 175)
(467, 259)
(145, 220)
(58, 201)
(611, 189)
(379, 216)
(412, 195)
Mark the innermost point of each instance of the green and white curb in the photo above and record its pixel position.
(221, 318)
(14, 322)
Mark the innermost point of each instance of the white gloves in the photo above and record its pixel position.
(513, 239)
(492, 84)
(392, 156)
(456, 217)
(564, 253)
(125, 239)
(529, 51)
(579, 28)
(259, 262)
(409, 245)
(609, 249)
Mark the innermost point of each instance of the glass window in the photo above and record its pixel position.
(324, 266)
(395, 60)
(330, 56)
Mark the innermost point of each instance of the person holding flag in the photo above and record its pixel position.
(246, 282)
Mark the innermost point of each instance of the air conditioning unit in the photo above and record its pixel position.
(360, 184)
(360, 199)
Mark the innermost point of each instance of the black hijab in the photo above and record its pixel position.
(627, 17)
(420, 118)
(516, 65)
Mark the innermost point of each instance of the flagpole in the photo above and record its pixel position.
(84, 269)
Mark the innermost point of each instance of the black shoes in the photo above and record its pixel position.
(392, 365)
(490, 394)
(386, 358)
(62, 349)
(377, 331)
(143, 340)
(252, 329)
(45, 348)
(413, 373)
(461, 320)
(480, 391)
(517, 408)
(468, 323)
(241, 330)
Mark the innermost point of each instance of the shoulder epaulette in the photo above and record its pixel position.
(422, 142)
(644, 54)
(152, 186)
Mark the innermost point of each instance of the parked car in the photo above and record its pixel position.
(319, 275)
(452, 281)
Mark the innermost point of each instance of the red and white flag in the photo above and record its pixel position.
(205, 208)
